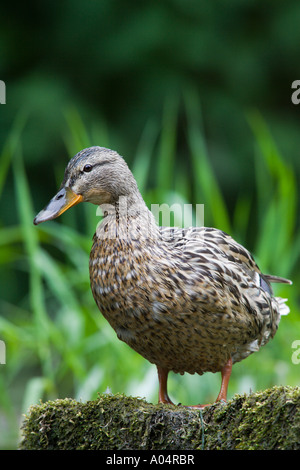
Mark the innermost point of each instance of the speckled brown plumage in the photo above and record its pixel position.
(188, 300)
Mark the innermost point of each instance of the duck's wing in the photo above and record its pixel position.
(224, 278)
(213, 250)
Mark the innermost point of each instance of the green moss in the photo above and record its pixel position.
(264, 420)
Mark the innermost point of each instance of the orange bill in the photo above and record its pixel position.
(62, 201)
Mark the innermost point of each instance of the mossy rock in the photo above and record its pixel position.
(265, 420)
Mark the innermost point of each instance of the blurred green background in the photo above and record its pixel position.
(196, 96)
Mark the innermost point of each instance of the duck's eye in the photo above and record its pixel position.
(87, 168)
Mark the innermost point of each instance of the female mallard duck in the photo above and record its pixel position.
(188, 300)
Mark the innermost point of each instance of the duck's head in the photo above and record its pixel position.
(97, 175)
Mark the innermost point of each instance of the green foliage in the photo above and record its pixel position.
(58, 344)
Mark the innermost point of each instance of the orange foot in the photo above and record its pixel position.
(163, 396)
(226, 372)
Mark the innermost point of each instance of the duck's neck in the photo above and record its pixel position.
(127, 219)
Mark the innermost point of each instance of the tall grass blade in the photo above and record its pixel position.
(77, 137)
(30, 234)
(277, 195)
(10, 146)
(206, 186)
(141, 165)
(167, 149)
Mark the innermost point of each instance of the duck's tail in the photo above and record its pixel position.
(283, 308)
(281, 303)
(277, 279)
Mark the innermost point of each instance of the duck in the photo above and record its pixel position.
(189, 300)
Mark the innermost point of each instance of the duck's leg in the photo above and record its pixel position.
(225, 372)
(163, 396)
